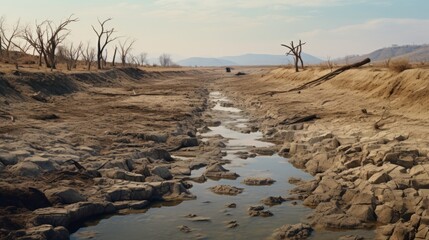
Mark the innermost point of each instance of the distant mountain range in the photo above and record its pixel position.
(414, 53)
(247, 60)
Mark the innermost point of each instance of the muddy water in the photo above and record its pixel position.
(161, 221)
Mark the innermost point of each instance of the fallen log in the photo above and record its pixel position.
(322, 79)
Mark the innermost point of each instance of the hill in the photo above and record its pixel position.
(414, 53)
(247, 60)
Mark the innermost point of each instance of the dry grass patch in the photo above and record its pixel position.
(399, 65)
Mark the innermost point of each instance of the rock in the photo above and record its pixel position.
(339, 221)
(292, 232)
(255, 211)
(122, 174)
(184, 229)
(264, 151)
(380, 177)
(156, 154)
(181, 170)
(44, 231)
(8, 159)
(226, 190)
(22, 197)
(64, 195)
(71, 213)
(232, 224)
(231, 205)
(119, 205)
(189, 142)
(403, 231)
(271, 201)
(117, 163)
(422, 232)
(217, 171)
(293, 180)
(386, 214)
(364, 213)
(200, 219)
(142, 169)
(26, 169)
(154, 178)
(121, 193)
(258, 181)
(45, 164)
(162, 172)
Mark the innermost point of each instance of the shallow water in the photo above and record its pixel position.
(161, 221)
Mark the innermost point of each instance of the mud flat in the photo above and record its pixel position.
(366, 143)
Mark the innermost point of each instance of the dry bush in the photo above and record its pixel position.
(399, 65)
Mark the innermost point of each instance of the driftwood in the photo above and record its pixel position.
(299, 119)
(322, 79)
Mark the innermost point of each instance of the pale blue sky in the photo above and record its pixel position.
(215, 28)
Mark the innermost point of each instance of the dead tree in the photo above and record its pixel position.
(142, 58)
(295, 51)
(88, 55)
(55, 35)
(165, 60)
(7, 40)
(104, 37)
(72, 54)
(124, 49)
(35, 40)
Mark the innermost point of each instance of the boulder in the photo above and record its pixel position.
(8, 159)
(22, 197)
(364, 213)
(64, 195)
(45, 164)
(122, 193)
(217, 171)
(292, 232)
(339, 221)
(44, 231)
(26, 169)
(226, 190)
(271, 201)
(73, 213)
(156, 154)
(255, 211)
(258, 181)
(386, 213)
(162, 172)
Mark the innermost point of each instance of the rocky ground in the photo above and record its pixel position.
(79, 145)
(363, 135)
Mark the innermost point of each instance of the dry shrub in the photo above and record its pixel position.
(399, 65)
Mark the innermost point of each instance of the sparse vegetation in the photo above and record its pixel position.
(399, 65)
(165, 60)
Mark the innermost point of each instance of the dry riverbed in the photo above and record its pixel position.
(82, 145)
(364, 141)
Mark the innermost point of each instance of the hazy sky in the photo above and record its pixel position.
(214, 28)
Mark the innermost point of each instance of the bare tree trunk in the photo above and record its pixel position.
(114, 56)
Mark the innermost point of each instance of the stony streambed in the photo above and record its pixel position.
(220, 216)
